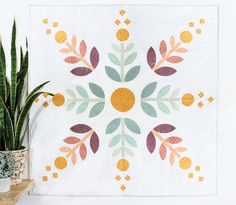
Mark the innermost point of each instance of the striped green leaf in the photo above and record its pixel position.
(113, 74)
(96, 109)
(82, 92)
(113, 59)
(130, 59)
(132, 73)
(82, 107)
(113, 126)
(149, 90)
(131, 141)
(163, 91)
(114, 140)
(115, 47)
(149, 109)
(163, 107)
(96, 90)
(132, 126)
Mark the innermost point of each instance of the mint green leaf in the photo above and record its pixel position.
(115, 47)
(148, 109)
(163, 91)
(129, 47)
(132, 126)
(96, 109)
(115, 140)
(132, 73)
(163, 107)
(113, 59)
(174, 105)
(128, 151)
(130, 59)
(175, 93)
(149, 89)
(71, 93)
(131, 140)
(82, 92)
(116, 152)
(71, 105)
(82, 107)
(97, 90)
(113, 126)
(113, 74)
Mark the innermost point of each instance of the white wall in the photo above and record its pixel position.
(227, 99)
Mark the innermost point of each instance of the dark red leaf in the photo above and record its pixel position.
(174, 59)
(71, 140)
(162, 151)
(174, 140)
(82, 48)
(80, 128)
(164, 128)
(165, 71)
(94, 57)
(163, 48)
(72, 59)
(83, 151)
(81, 71)
(151, 57)
(151, 142)
(94, 142)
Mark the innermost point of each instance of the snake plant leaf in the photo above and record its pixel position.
(96, 109)
(113, 74)
(132, 73)
(96, 90)
(113, 59)
(149, 109)
(82, 92)
(130, 59)
(131, 141)
(115, 140)
(2, 55)
(113, 126)
(132, 126)
(36, 90)
(149, 89)
(3, 87)
(163, 91)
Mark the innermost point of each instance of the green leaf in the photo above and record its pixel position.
(163, 91)
(175, 93)
(115, 48)
(96, 109)
(71, 93)
(131, 140)
(132, 126)
(82, 107)
(3, 88)
(174, 105)
(113, 74)
(116, 152)
(36, 89)
(82, 92)
(113, 59)
(132, 73)
(129, 47)
(71, 105)
(148, 109)
(163, 107)
(113, 126)
(128, 151)
(97, 90)
(130, 59)
(149, 89)
(115, 140)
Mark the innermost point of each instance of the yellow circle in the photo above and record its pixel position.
(122, 34)
(122, 99)
(61, 36)
(186, 37)
(187, 99)
(122, 165)
(58, 99)
(60, 163)
(185, 163)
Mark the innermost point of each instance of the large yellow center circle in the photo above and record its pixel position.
(122, 99)
(186, 37)
(122, 34)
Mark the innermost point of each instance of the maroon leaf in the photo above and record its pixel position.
(174, 140)
(163, 48)
(94, 57)
(80, 128)
(81, 71)
(82, 48)
(94, 142)
(151, 57)
(72, 59)
(83, 151)
(164, 128)
(174, 59)
(151, 142)
(162, 151)
(165, 71)
(71, 140)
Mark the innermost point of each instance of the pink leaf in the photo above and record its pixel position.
(72, 59)
(74, 41)
(71, 140)
(151, 57)
(164, 128)
(81, 71)
(73, 158)
(162, 151)
(172, 41)
(180, 149)
(94, 57)
(83, 48)
(151, 142)
(181, 50)
(174, 59)
(172, 159)
(64, 149)
(163, 48)
(174, 140)
(165, 71)
(94, 142)
(80, 128)
(65, 50)
(83, 151)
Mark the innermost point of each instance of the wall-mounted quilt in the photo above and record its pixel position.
(135, 104)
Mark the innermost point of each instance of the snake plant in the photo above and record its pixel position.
(14, 101)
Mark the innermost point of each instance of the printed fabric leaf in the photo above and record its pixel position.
(164, 128)
(72, 59)
(174, 105)
(128, 151)
(65, 50)
(175, 59)
(81, 71)
(114, 140)
(163, 48)
(131, 140)
(71, 93)
(94, 142)
(115, 47)
(172, 158)
(172, 41)
(71, 140)
(148, 109)
(82, 107)
(132, 73)
(180, 149)
(132, 126)
(113, 74)
(82, 92)
(94, 57)
(151, 57)
(173, 140)
(83, 48)
(71, 105)
(175, 93)
(149, 89)
(163, 107)
(116, 152)
(73, 158)
(163, 91)
(129, 47)
(130, 59)
(64, 149)
(113, 59)
(96, 90)
(83, 151)
(151, 142)
(165, 71)
(80, 128)
(113, 126)
(96, 109)
(162, 151)
(74, 41)
(181, 50)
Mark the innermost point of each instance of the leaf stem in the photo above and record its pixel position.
(122, 67)
(158, 99)
(88, 99)
(122, 138)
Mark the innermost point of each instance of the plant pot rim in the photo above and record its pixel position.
(23, 149)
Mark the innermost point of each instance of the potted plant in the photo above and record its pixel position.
(6, 168)
(14, 106)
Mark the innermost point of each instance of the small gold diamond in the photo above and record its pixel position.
(200, 179)
(48, 168)
(210, 99)
(201, 94)
(122, 12)
(48, 31)
(45, 178)
(123, 187)
(45, 21)
(55, 24)
(190, 175)
(117, 21)
(55, 175)
(191, 24)
(127, 21)
(36, 100)
(45, 104)
(197, 168)
(118, 177)
(202, 21)
(45, 95)
(198, 31)
(200, 104)
(127, 177)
